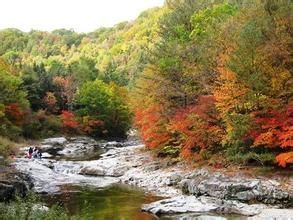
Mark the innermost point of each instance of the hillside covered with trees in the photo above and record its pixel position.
(205, 80)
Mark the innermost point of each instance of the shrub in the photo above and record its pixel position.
(51, 126)
(30, 208)
(253, 158)
(41, 125)
(92, 126)
(169, 151)
(7, 147)
(26, 208)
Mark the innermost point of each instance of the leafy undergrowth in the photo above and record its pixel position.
(7, 147)
(31, 207)
(251, 164)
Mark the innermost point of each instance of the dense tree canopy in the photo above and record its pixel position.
(228, 51)
(207, 77)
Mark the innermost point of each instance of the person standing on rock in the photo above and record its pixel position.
(30, 152)
(39, 154)
(35, 153)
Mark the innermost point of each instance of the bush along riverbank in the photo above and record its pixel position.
(32, 207)
(29, 207)
(189, 191)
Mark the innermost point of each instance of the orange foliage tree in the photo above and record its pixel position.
(67, 89)
(51, 102)
(197, 126)
(90, 125)
(285, 158)
(152, 124)
(14, 113)
(230, 93)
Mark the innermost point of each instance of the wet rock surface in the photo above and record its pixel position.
(83, 161)
(50, 174)
(13, 183)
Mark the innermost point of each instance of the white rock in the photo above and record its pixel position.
(40, 207)
(274, 214)
(55, 141)
(46, 155)
(183, 204)
(48, 180)
(180, 204)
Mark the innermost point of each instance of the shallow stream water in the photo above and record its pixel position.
(117, 202)
(114, 202)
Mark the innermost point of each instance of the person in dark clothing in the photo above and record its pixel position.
(39, 153)
(35, 153)
(30, 152)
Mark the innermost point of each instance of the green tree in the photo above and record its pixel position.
(105, 103)
(83, 70)
(13, 102)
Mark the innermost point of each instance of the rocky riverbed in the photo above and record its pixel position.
(189, 193)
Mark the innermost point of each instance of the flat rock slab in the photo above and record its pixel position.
(55, 141)
(272, 214)
(49, 175)
(185, 204)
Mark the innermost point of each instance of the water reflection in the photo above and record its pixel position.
(116, 202)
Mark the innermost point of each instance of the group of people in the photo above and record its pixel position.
(34, 153)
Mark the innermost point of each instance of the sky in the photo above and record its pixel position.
(80, 15)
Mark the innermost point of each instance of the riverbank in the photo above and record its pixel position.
(188, 191)
(13, 183)
(199, 190)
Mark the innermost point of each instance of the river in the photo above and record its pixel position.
(116, 180)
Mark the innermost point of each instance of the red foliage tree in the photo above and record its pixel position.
(275, 130)
(152, 123)
(197, 126)
(68, 121)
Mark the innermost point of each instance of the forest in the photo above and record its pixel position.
(208, 81)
